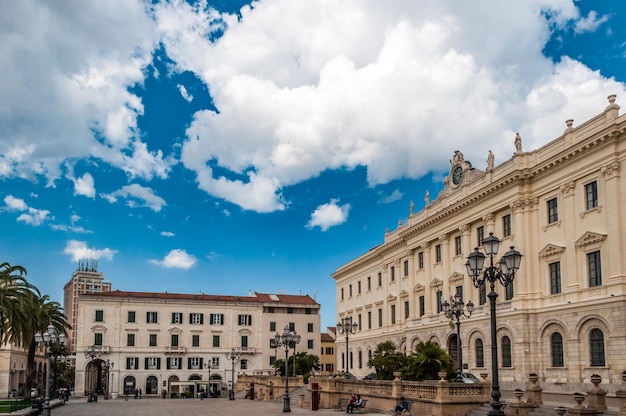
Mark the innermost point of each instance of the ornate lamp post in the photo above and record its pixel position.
(296, 341)
(456, 310)
(346, 326)
(233, 356)
(48, 338)
(286, 339)
(504, 272)
(92, 352)
(209, 365)
(107, 366)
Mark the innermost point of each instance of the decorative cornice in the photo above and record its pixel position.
(611, 170)
(456, 277)
(489, 218)
(464, 228)
(551, 250)
(436, 283)
(568, 188)
(590, 238)
(444, 237)
(524, 203)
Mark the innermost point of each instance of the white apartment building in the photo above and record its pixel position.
(563, 207)
(166, 343)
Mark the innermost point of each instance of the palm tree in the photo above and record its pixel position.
(428, 360)
(386, 359)
(13, 286)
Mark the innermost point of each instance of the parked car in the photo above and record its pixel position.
(370, 376)
(469, 378)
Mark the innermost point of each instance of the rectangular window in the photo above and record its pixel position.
(509, 291)
(553, 211)
(591, 195)
(152, 317)
(196, 318)
(217, 319)
(195, 340)
(99, 315)
(216, 341)
(330, 368)
(359, 327)
(342, 297)
(506, 225)
(292, 326)
(393, 314)
(173, 340)
(438, 253)
(482, 294)
(309, 344)
(132, 363)
(406, 268)
(458, 290)
(153, 340)
(309, 327)
(131, 316)
(369, 283)
(245, 320)
(369, 319)
(272, 361)
(243, 364)
(244, 341)
(380, 318)
(420, 260)
(153, 363)
(480, 235)
(358, 288)
(130, 340)
(595, 269)
(555, 277)
(273, 326)
(97, 339)
(349, 291)
(393, 273)
(270, 309)
(439, 295)
(380, 279)
(174, 362)
(457, 245)
(290, 310)
(177, 317)
(307, 311)
(422, 305)
(195, 363)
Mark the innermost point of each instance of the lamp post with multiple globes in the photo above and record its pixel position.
(287, 339)
(456, 310)
(233, 356)
(503, 272)
(346, 326)
(47, 339)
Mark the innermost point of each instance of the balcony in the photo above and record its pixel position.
(175, 350)
(246, 350)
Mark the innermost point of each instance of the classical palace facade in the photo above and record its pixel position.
(166, 343)
(563, 207)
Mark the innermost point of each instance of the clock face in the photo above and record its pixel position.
(457, 175)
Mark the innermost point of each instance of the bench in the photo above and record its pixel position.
(406, 410)
(361, 408)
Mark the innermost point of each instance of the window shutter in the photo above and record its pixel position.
(167, 364)
(189, 363)
(128, 363)
(146, 362)
(180, 363)
(201, 319)
(158, 363)
(249, 319)
(222, 319)
(191, 318)
(201, 363)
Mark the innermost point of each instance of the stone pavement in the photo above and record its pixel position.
(182, 407)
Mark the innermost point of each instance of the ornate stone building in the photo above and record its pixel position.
(166, 342)
(563, 206)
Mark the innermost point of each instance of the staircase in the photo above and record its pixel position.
(543, 410)
(294, 396)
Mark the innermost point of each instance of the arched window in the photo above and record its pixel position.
(452, 350)
(556, 350)
(596, 347)
(369, 358)
(506, 351)
(343, 361)
(360, 357)
(480, 353)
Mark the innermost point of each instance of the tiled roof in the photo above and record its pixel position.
(256, 298)
(327, 337)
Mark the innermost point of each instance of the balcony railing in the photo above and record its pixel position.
(175, 350)
(246, 350)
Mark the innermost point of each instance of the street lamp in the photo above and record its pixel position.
(209, 365)
(107, 366)
(92, 352)
(296, 340)
(286, 339)
(346, 326)
(504, 272)
(47, 339)
(456, 310)
(233, 355)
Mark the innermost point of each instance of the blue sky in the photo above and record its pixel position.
(225, 147)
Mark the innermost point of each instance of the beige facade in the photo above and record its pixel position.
(163, 341)
(328, 358)
(13, 371)
(563, 206)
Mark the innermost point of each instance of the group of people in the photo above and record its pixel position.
(354, 403)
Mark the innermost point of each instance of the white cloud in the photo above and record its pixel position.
(31, 216)
(590, 23)
(176, 259)
(79, 250)
(84, 186)
(396, 195)
(329, 215)
(167, 234)
(137, 195)
(184, 93)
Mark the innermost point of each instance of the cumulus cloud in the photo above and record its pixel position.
(329, 215)
(137, 195)
(85, 186)
(167, 234)
(31, 216)
(396, 195)
(176, 259)
(590, 23)
(79, 250)
(183, 91)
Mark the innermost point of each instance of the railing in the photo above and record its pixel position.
(175, 350)
(246, 350)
